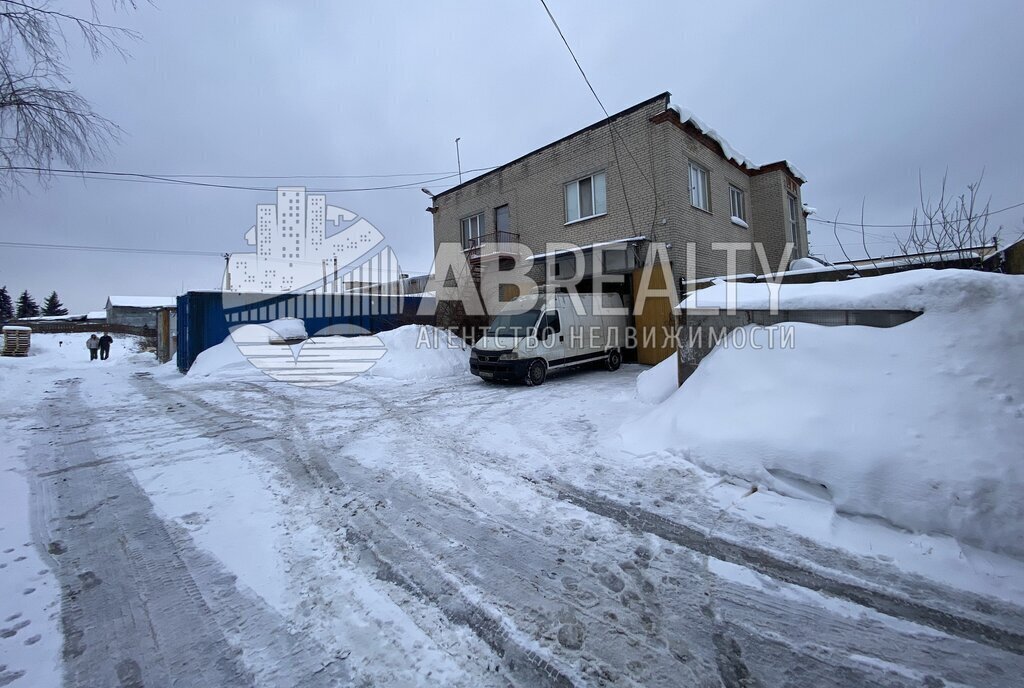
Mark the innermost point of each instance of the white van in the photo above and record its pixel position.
(523, 345)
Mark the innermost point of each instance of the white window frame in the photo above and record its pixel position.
(598, 198)
(794, 221)
(468, 223)
(700, 187)
(738, 203)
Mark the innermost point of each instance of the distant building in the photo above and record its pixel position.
(137, 311)
(295, 249)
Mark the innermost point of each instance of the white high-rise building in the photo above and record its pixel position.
(300, 241)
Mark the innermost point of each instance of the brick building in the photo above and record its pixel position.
(664, 176)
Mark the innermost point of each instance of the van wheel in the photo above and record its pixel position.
(614, 360)
(536, 373)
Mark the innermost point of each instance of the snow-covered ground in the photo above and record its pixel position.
(416, 528)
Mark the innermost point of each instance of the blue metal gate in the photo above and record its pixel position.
(206, 318)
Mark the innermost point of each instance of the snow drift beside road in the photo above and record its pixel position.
(420, 352)
(657, 384)
(921, 425)
(414, 352)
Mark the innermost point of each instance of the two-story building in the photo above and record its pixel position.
(651, 174)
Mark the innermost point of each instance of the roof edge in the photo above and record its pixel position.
(666, 96)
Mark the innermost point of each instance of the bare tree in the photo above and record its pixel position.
(950, 231)
(43, 119)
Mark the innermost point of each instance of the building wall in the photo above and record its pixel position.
(655, 179)
(534, 189)
(134, 317)
(771, 191)
(688, 227)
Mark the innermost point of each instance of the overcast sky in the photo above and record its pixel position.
(862, 96)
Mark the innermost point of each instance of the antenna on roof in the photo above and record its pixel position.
(458, 157)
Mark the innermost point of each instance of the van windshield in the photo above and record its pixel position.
(513, 324)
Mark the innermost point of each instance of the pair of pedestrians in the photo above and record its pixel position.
(99, 345)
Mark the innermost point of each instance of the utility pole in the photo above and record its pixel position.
(458, 157)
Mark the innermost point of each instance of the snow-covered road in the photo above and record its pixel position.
(240, 531)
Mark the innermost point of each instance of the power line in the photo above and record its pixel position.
(907, 226)
(611, 125)
(139, 177)
(153, 251)
(111, 249)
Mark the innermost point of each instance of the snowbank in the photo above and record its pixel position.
(289, 328)
(920, 425)
(420, 352)
(414, 352)
(915, 290)
(224, 357)
(657, 384)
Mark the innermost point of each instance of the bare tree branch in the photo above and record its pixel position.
(42, 118)
(949, 231)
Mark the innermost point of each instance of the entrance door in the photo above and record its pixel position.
(655, 325)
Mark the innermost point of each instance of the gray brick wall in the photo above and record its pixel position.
(534, 190)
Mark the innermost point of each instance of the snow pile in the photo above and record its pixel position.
(920, 425)
(414, 352)
(224, 357)
(420, 352)
(686, 115)
(657, 384)
(288, 328)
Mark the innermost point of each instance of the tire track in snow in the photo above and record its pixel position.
(140, 605)
(312, 476)
(778, 646)
(786, 571)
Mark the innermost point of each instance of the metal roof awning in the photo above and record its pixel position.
(584, 249)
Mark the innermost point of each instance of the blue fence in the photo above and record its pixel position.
(206, 318)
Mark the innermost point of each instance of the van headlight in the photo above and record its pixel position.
(510, 356)
(473, 354)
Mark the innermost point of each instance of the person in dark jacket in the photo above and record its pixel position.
(105, 341)
(93, 344)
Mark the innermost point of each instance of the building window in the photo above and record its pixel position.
(585, 198)
(794, 222)
(502, 223)
(737, 204)
(472, 230)
(699, 196)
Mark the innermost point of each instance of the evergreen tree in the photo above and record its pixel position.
(6, 305)
(27, 306)
(53, 306)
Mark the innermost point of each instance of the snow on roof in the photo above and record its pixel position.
(57, 317)
(915, 259)
(96, 315)
(915, 290)
(588, 247)
(809, 210)
(686, 115)
(16, 328)
(141, 302)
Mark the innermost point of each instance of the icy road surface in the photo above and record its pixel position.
(242, 532)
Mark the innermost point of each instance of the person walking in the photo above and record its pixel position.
(105, 341)
(93, 344)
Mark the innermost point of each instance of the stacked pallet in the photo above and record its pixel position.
(16, 340)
